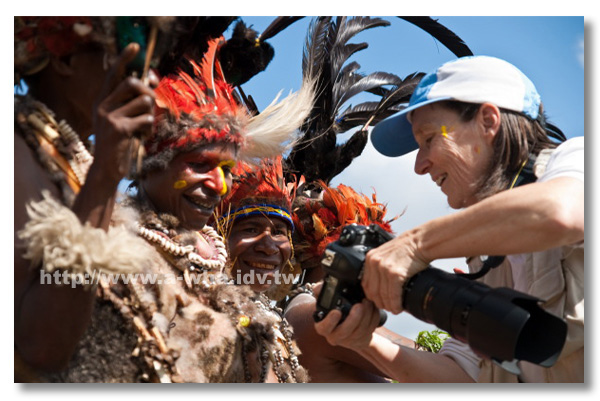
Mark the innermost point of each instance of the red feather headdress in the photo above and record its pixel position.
(257, 190)
(320, 221)
(200, 109)
(193, 111)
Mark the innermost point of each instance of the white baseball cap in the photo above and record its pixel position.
(473, 79)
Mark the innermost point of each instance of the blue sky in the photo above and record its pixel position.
(549, 50)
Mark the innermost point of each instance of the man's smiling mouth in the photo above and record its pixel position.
(201, 203)
(262, 266)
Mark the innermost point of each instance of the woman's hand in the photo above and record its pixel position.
(124, 114)
(388, 267)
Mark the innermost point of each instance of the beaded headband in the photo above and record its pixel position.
(258, 209)
(257, 190)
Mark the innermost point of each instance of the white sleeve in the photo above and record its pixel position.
(462, 354)
(566, 161)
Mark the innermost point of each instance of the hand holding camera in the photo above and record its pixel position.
(497, 323)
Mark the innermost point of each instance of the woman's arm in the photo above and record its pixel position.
(397, 362)
(531, 218)
(327, 363)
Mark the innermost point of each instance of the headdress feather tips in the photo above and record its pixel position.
(320, 221)
(258, 189)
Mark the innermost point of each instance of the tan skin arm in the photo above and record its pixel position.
(531, 218)
(50, 319)
(398, 362)
(526, 219)
(329, 363)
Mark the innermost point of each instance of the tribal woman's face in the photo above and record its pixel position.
(193, 184)
(259, 246)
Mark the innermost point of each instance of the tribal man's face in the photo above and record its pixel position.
(193, 184)
(259, 246)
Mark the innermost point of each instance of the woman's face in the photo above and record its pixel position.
(193, 184)
(259, 246)
(454, 153)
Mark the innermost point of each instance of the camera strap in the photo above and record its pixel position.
(525, 175)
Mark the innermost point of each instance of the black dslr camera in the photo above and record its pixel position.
(343, 262)
(499, 323)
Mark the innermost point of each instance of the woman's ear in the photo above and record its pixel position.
(61, 66)
(489, 116)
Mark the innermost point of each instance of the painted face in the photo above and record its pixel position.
(193, 184)
(454, 153)
(259, 246)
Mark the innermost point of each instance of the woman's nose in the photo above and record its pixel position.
(422, 163)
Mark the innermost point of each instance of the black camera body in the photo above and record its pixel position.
(498, 323)
(343, 263)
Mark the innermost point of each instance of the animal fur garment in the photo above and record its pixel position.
(55, 238)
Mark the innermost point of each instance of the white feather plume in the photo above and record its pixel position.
(276, 128)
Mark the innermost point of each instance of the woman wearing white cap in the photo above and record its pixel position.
(481, 135)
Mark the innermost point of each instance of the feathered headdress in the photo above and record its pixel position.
(37, 39)
(320, 221)
(257, 190)
(192, 111)
(199, 107)
(339, 81)
(260, 190)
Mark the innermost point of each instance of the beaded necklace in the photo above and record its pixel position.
(260, 325)
(167, 244)
(283, 337)
(137, 309)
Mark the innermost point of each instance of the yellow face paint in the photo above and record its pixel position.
(227, 163)
(180, 184)
(444, 131)
(222, 175)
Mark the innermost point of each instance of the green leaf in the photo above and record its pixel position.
(432, 341)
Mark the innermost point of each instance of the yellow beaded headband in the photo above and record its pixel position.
(260, 209)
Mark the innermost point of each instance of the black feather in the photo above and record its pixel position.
(371, 81)
(278, 25)
(446, 37)
(327, 50)
(326, 57)
(242, 56)
(401, 93)
(315, 50)
(188, 36)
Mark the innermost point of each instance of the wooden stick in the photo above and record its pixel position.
(149, 52)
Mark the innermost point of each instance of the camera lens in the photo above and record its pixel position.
(499, 323)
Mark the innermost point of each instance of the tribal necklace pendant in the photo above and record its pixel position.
(189, 252)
